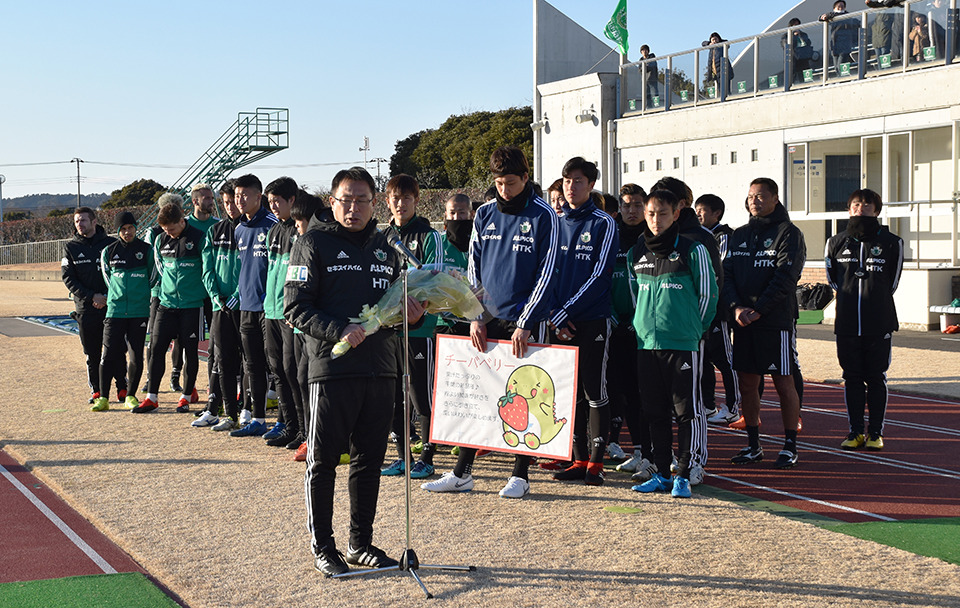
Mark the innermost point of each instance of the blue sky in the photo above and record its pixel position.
(156, 84)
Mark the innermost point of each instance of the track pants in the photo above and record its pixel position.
(185, 324)
(592, 421)
(346, 415)
(670, 381)
(225, 336)
(123, 339)
(865, 360)
(719, 354)
(280, 356)
(252, 330)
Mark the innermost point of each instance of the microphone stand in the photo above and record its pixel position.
(409, 562)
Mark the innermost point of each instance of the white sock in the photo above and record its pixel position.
(185, 396)
(152, 397)
(260, 420)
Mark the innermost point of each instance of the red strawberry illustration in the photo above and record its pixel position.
(514, 410)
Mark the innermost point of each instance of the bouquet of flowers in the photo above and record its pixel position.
(445, 291)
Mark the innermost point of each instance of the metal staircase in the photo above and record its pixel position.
(253, 136)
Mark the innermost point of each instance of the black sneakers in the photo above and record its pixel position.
(785, 459)
(748, 455)
(575, 472)
(370, 557)
(330, 562)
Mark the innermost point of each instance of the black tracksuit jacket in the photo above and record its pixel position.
(80, 267)
(332, 274)
(764, 262)
(864, 270)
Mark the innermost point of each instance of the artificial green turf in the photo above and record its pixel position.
(102, 590)
(938, 538)
(810, 317)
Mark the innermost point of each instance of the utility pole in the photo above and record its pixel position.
(379, 179)
(2, 179)
(78, 161)
(365, 148)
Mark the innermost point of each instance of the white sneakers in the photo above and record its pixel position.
(516, 487)
(246, 417)
(722, 416)
(205, 419)
(449, 482)
(644, 471)
(615, 451)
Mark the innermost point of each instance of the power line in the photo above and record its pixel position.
(52, 162)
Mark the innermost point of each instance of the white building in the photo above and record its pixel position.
(892, 125)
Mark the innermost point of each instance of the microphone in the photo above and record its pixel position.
(397, 244)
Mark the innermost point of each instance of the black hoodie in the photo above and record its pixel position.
(762, 267)
(80, 268)
(332, 273)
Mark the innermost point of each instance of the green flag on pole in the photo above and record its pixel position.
(616, 29)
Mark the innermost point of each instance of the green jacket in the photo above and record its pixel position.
(203, 226)
(424, 242)
(181, 269)
(221, 265)
(129, 272)
(280, 239)
(675, 291)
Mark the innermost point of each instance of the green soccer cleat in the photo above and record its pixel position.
(130, 402)
(100, 404)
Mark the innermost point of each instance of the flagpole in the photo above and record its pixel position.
(537, 134)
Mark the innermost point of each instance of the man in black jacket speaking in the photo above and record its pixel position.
(340, 264)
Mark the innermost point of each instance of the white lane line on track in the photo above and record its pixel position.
(59, 523)
(886, 422)
(854, 455)
(804, 498)
(929, 399)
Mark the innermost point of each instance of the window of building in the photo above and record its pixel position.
(754, 155)
(640, 166)
(733, 158)
(713, 158)
(626, 167)
(659, 164)
(676, 162)
(694, 161)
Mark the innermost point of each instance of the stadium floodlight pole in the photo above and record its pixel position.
(2, 179)
(78, 161)
(409, 562)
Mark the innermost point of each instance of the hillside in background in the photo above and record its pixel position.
(40, 204)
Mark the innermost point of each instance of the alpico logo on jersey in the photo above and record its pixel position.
(380, 254)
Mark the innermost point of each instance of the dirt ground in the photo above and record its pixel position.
(221, 521)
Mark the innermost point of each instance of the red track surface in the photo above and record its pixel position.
(32, 547)
(916, 475)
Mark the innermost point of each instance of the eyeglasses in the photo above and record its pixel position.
(350, 202)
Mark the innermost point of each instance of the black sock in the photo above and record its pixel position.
(426, 454)
(791, 442)
(465, 460)
(753, 436)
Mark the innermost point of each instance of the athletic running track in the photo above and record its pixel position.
(916, 475)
